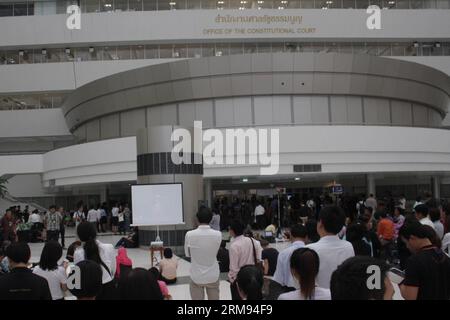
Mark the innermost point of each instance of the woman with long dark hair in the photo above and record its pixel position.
(101, 253)
(49, 269)
(250, 281)
(305, 267)
(140, 284)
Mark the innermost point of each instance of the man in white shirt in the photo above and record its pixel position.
(332, 251)
(34, 217)
(283, 274)
(202, 245)
(259, 216)
(421, 212)
(92, 217)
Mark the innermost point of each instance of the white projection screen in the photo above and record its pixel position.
(157, 204)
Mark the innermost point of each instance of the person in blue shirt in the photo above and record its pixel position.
(283, 275)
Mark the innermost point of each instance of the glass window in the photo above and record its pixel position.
(291, 47)
(346, 47)
(109, 53)
(151, 52)
(123, 53)
(6, 10)
(429, 4)
(249, 47)
(402, 4)
(90, 6)
(384, 49)
(180, 51)
(307, 4)
(264, 4)
(30, 8)
(410, 50)
(416, 4)
(209, 4)
(264, 47)
(106, 5)
(20, 9)
(293, 4)
(235, 4)
(193, 4)
(436, 50)
(120, 5)
(137, 52)
(150, 5)
(362, 4)
(25, 56)
(82, 54)
(443, 4)
(446, 48)
(359, 48)
(57, 100)
(12, 57)
(372, 49)
(194, 50)
(332, 47)
(164, 4)
(348, 4)
(398, 49)
(165, 51)
(237, 48)
(277, 47)
(45, 102)
(135, 5)
(208, 50)
(222, 50)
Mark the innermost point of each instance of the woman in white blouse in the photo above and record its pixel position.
(102, 253)
(305, 267)
(48, 268)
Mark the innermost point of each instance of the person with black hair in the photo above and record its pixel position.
(168, 267)
(370, 236)
(249, 283)
(140, 284)
(304, 265)
(90, 280)
(243, 251)
(435, 217)
(21, 283)
(332, 251)
(101, 253)
(349, 281)
(355, 234)
(427, 272)
(422, 214)
(298, 238)
(162, 285)
(71, 250)
(223, 257)
(49, 269)
(311, 231)
(202, 245)
(269, 256)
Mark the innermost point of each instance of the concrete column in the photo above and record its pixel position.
(104, 194)
(208, 192)
(371, 186)
(436, 185)
(155, 165)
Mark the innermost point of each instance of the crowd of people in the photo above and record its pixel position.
(333, 245)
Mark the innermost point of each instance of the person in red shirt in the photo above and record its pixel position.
(385, 232)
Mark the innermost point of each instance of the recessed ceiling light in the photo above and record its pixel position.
(245, 180)
(296, 178)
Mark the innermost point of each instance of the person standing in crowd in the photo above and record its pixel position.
(90, 281)
(99, 217)
(121, 220)
(62, 227)
(332, 251)
(427, 272)
(8, 225)
(305, 264)
(52, 223)
(243, 251)
(418, 202)
(283, 274)
(215, 221)
(249, 283)
(168, 267)
(349, 280)
(202, 245)
(421, 212)
(115, 217)
(92, 217)
(402, 201)
(79, 216)
(269, 257)
(21, 283)
(435, 217)
(356, 234)
(103, 217)
(398, 219)
(259, 216)
(34, 217)
(140, 284)
(127, 217)
(385, 232)
(223, 257)
(48, 268)
(371, 202)
(101, 253)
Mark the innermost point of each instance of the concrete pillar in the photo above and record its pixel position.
(208, 192)
(436, 185)
(104, 194)
(155, 165)
(371, 186)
